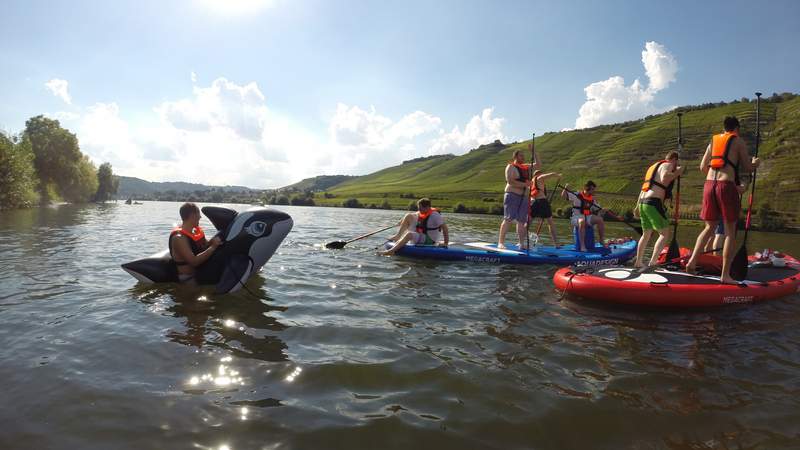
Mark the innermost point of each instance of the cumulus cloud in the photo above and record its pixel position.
(222, 105)
(479, 130)
(612, 100)
(224, 133)
(59, 88)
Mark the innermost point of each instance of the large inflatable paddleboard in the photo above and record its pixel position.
(250, 238)
(675, 288)
(482, 252)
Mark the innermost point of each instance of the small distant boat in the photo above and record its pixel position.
(129, 201)
(137, 203)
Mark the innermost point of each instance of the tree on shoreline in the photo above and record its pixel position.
(107, 183)
(17, 175)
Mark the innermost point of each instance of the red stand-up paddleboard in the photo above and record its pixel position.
(766, 280)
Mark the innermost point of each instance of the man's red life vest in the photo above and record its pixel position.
(586, 203)
(422, 221)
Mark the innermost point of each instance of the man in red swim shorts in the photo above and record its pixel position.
(725, 157)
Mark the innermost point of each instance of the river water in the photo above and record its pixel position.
(346, 349)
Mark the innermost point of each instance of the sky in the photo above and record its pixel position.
(264, 93)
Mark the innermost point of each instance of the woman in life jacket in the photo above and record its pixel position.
(424, 227)
(540, 205)
(657, 187)
(585, 212)
(516, 207)
(187, 244)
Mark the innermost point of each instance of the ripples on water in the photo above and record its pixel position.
(344, 349)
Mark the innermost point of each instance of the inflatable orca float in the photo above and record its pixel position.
(250, 238)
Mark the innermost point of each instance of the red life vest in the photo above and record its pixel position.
(586, 203)
(650, 179)
(422, 221)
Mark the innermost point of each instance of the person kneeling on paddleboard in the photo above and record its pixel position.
(585, 211)
(424, 227)
(187, 244)
(725, 158)
(515, 208)
(657, 187)
(540, 206)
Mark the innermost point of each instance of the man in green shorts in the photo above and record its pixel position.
(650, 209)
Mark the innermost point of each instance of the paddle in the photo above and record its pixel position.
(528, 197)
(674, 251)
(610, 213)
(739, 263)
(341, 244)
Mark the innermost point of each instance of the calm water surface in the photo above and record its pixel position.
(346, 349)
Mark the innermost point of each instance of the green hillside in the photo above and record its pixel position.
(614, 156)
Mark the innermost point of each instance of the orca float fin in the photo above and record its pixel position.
(235, 274)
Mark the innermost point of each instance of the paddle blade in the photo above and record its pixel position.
(336, 244)
(739, 264)
(674, 251)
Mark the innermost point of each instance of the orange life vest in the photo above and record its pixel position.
(650, 179)
(195, 237)
(422, 221)
(535, 189)
(720, 148)
(523, 170)
(586, 204)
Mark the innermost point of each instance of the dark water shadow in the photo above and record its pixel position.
(238, 323)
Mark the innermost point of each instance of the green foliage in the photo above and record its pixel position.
(107, 183)
(57, 158)
(412, 206)
(386, 205)
(17, 174)
(282, 200)
(352, 203)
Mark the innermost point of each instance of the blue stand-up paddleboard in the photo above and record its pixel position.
(483, 252)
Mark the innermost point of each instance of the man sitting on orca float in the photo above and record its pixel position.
(187, 244)
(423, 227)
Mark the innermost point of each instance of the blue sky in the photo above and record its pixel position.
(264, 93)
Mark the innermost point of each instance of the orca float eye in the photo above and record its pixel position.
(256, 228)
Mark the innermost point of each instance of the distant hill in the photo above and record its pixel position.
(136, 187)
(615, 156)
(318, 183)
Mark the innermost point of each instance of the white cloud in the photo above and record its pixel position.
(479, 130)
(222, 105)
(611, 100)
(64, 116)
(226, 134)
(193, 76)
(59, 88)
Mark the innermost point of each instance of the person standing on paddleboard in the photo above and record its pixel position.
(540, 206)
(424, 227)
(725, 158)
(658, 182)
(585, 212)
(515, 204)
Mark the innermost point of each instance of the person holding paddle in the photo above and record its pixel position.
(585, 211)
(424, 227)
(540, 205)
(725, 157)
(515, 205)
(658, 182)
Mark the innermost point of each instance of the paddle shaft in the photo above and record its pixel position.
(755, 170)
(528, 197)
(673, 246)
(369, 234)
(637, 229)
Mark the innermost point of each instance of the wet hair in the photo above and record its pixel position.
(673, 154)
(424, 203)
(589, 184)
(731, 123)
(187, 209)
